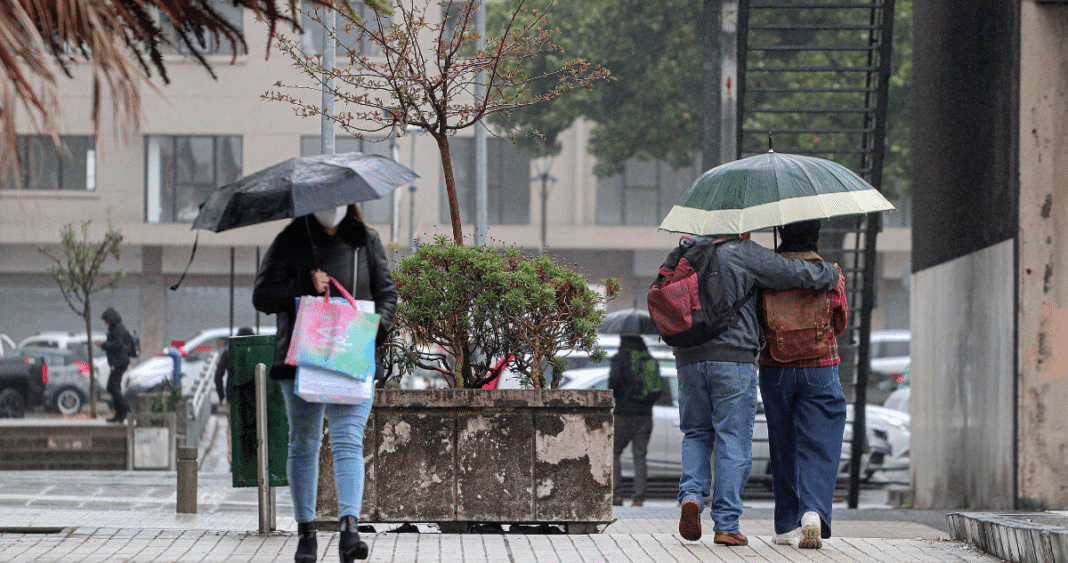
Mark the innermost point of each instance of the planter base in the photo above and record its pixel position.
(463, 457)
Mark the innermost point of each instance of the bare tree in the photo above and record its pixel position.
(427, 70)
(78, 272)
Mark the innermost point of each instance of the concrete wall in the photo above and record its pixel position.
(1042, 303)
(965, 129)
(962, 382)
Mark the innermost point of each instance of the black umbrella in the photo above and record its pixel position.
(301, 186)
(628, 322)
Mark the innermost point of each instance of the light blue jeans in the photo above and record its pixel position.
(717, 407)
(347, 424)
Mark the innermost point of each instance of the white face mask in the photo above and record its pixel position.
(331, 218)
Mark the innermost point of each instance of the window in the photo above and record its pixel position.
(507, 181)
(212, 45)
(642, 194)
(375, 212)
(346, 39)
(182, 171)
(42, 167)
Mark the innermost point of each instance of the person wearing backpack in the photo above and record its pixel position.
(118, 347)
(634, 377)
(718, 377)
(803, 398)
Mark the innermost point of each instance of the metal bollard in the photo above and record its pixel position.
(187, 480)
(268, 522)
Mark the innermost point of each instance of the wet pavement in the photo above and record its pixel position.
(129, 516)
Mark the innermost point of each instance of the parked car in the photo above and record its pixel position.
(22, 383)
(899, 399)
(67, 390)
(7, 345)
(887, 432)
(195, 352)
(59, 340)
(889, 361)
(578, 360)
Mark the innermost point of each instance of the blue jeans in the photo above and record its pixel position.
(806, 412)
(347, 423)
(717, 406)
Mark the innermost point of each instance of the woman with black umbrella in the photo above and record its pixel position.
(332, 243)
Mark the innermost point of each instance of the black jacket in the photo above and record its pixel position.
(118, 343)
(303, 246)
(624, 384)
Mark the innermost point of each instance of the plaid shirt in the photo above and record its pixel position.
(825, 353)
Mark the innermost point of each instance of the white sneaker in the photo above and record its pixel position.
(788, 538)
(811, 529)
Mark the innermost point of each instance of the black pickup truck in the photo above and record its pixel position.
(22, 384)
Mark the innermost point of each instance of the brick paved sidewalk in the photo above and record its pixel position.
(152, 537)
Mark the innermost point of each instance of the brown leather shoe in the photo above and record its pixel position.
(730, 539)
(617, 501)
(637, 503)
(690, 520)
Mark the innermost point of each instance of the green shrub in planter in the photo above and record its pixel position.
(464, 310)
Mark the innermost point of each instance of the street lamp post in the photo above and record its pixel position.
(545, 178)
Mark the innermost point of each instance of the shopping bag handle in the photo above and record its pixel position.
(348, 296)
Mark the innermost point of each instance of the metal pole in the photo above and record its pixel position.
(728, 81)
(544, 209)
(233, 266)
(257, 272)
(481, 189)
(266, 513)
(326, 139)
(394, 218)
(411, 199)
(710, 154)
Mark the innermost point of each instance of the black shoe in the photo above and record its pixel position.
(350, 546)
(307, 545)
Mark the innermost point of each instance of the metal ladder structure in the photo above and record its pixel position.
(812, 79)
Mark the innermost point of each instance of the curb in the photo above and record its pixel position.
(1040, 537)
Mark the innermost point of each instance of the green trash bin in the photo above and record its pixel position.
(245, 353)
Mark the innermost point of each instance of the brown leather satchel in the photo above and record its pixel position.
(798, 324)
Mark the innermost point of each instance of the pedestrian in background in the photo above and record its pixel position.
(803, 398)
(717, 386)
(634, 378)
(118, 346)
(336, 243)
(222, 370)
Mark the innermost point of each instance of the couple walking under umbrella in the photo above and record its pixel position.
(789, 330)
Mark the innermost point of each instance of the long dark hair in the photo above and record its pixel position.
(355, 213)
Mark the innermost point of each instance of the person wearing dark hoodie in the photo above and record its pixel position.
(222, 370)
(718, 386)
(117, 346)
(336, 243)
(633, 413)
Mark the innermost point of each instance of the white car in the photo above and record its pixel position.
(63, 341)
(889, 362)
(152, 372)
(888, 433)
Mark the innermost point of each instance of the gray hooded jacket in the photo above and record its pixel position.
(744, 266)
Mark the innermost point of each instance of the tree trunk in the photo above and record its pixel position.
(87, 316)
(450, 187)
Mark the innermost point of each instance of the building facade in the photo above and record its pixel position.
(198, 133)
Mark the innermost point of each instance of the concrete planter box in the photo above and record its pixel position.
(464, 456)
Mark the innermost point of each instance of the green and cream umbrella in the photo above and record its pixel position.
(768, 190)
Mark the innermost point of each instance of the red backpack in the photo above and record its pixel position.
(687, 302)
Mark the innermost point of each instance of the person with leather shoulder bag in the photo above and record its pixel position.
(803, 398)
